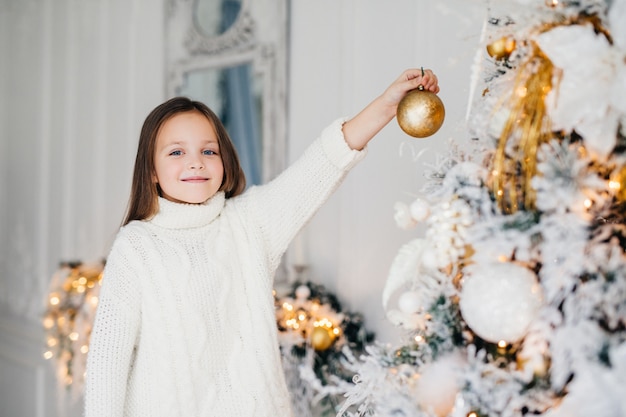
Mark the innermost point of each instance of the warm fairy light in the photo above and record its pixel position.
(48, 322)
(472, 414)
(54, 299)
(552, 3)
(323, 322)
(502, 344)
(336, 331)
(503, 258)
(287, 306)
(72, 303)
(521, 91)
(419, 338)
(615, 185)
(588, 203)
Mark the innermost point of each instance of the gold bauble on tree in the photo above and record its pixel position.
(322, 338)
(420, 113)
(501, 48)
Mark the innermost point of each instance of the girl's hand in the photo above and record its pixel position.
(359, 130)
(410, 80)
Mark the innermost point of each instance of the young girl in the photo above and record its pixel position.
(185, 324)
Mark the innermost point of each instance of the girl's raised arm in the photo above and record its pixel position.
(359, 130)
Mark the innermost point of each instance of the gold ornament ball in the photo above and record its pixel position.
(502, 48)
(420, 113)
(322, 338)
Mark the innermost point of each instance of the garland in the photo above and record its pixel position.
(315, 336)
(71, 308)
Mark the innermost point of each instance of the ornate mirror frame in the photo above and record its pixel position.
(258, 36)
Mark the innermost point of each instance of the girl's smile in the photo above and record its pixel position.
(187, 160)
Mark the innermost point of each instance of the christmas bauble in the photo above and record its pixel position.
(420, 210)
(420, 113)
(502, 48)
(322, 338)
(437, 386)
(499, 301)
(410, 302)
(303, 292)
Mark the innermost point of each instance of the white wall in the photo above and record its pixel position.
(342, 55)
(76, 81)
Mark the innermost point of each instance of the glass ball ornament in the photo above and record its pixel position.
(410, 302)
(420, 113)
(420, 210)
(303, 292)
(499, 301)
(437, 387)
(322, 338)
(502, 48)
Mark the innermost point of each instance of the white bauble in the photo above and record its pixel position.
(410, 302)
(438, 385)
(420, 210)
(303, 292)
(500, 300)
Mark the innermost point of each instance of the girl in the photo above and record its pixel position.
(186, 325)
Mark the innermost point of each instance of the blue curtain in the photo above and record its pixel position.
(240, 111)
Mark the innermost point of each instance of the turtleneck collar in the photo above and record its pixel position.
(186, 216)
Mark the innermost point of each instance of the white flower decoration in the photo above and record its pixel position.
(591, 95)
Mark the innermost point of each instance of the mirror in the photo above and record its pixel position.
(214, 17)
(233, 58)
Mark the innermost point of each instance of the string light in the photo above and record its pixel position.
(72, 303)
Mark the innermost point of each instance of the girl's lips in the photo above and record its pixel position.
(195, 179)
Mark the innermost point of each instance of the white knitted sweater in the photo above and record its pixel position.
(185, 325)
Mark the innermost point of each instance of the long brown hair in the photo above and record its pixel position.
(143, 202)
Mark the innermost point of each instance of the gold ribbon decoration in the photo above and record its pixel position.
(527, 127)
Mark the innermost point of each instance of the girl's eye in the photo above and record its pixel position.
(209, 152)
(176, 153)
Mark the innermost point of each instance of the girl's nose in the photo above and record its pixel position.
(196, 163)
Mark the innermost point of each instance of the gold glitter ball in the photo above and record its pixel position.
(322, 338)
(420, 113)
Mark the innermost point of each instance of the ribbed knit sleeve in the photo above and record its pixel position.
(114, 333)
(284, 205)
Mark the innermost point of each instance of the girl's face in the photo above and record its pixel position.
(187, 162)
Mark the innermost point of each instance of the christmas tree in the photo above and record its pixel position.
(514, 299)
